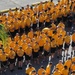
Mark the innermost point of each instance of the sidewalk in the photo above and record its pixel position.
(6, 4)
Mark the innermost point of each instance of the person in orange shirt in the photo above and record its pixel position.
(73, 42)
(40, 7)
(34, 21)
(28, 23)
(65, 71)
(29, 69)
(36, 52)
(46, 49)
(59, 45)
(33, 72)
(56, 72)
(41, 43)
(12, 59)
(60, 66)
(31, 34)
(48, 68)
(17, 37)
(41, 70)
(47, 20)
(20, 54)
(73, 73)
(12, 43)
(67, 40)
(68, 63)
(4, 59)
(41, 20)
(22, 25)
(10, 12)
(53, 47)
(28, 53)
(12, 28)
(73, 67)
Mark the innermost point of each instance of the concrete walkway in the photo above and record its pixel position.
(6, 4)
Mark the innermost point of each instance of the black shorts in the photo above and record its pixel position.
(27, 29)
(47, 24)
(35, 54)
(4, 63)
(64, 18)
(46, 53)
(59, 19)
(20, 58)
(60, 47)
(27, 57)
(34, 26)
(73, 44)
(53, 50)
(66, 46)
(40, 24)
(12, 60)
(41, 49)
(21, 30)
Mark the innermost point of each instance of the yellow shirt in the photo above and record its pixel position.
(59, 42)
(12, 55)
(30, 34)
(56, 73)
(67, 39)
(47, 47)
(73, 37)
(16, 38)
(20, 53)
(3, 57)
(65, 72)
(40, 7)
(28, 70)
(40, 71)
(73, 59)
(24, 46)
(28, 21)
(34, 19)
(53, 44)
(60, 66)
(48, 69)
(16, 47)
(68, 63)
(36, 48)
(41, 18)
(28, 51)
(41, 42)
(73, 67)
(23, 37)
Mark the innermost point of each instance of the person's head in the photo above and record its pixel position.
(11, 49)
(17, 34)
(34, 72)
(20, 47)
(60, 61)
(24, 41)
(56, 69)
(30, 65)
(42, 67)
(28, 6)
(73, 63)
(69, 58)
(73, 73)
(43, 73)
(50, 63)
(65, 67)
